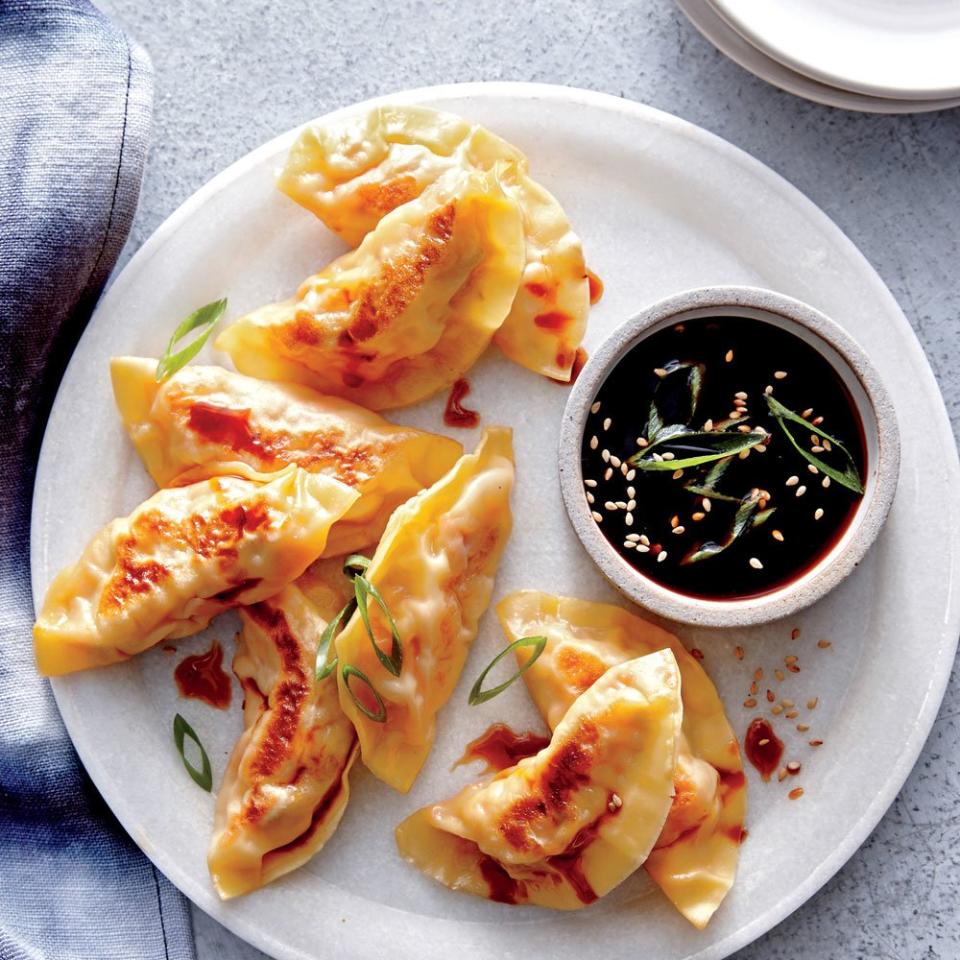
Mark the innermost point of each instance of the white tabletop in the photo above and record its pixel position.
(230, 76)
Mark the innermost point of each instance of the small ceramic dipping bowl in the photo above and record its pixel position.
(880, 446)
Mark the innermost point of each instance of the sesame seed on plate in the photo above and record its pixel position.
(782, 774)
(606, 423)
(812, 703)
(823, 644)
(816, 743)
(750, 702)
(796, 793)
(818, 513)
(595, 408)
(803, 727)
(779, 674)
(801, 490)
(793, 767)
(597, 516)
(787, 704)
(755, 563)
(770, 697)
(594, 443)
(758, 673)
(777, 710)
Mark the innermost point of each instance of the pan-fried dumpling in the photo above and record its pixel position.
(695, 858)
(434, 569)
(285, 787)
(205, 421)
(352, 171)
(564, 827)
(405, 314)
(182, 557)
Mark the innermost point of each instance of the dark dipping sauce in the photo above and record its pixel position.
(730, 356)
(202, 677)
(500, 747)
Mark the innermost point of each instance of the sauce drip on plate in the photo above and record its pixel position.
(764, 749)
(202, 677)
(455, 414)
(500, 747)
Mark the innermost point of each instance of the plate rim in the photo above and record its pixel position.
(711, 25)
(262, 939)
(821, 74)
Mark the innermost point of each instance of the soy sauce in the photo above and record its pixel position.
(716, 373)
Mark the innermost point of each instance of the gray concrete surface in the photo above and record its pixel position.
(231, 75)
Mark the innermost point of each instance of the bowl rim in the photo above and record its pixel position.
(837, 564)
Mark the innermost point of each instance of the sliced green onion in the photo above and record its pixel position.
(202, 778)
(205, 316)
(706, 447)
(478, 696)
(349, 671)
(849, 477)
(362, 589)
(324, 666)
(355, 564)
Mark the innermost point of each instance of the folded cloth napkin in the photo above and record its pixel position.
(75, 99)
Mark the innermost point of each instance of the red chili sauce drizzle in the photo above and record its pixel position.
(503, 888)
(766, 756)
(500, 747)
(229, 427)
(456, 415)
(579, 361)
(202, 677)
(596, 286)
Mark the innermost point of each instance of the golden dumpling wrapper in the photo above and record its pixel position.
(564, 827)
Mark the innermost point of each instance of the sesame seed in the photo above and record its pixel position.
(628, 519)
(589, 483)
(777, 535)
(818, 513)
(642, 548)
(679, 530)
(816, 743)
(795, 633)
(806, 413)
(677, 474)
(606, 423)
(782, 774)
(644, 539)
(812, 468)
(657, 458)
(734, 415)
(750, 702)
(777, 710)
(770, 696)
(674, 520)
(793, 767)
(615, 462)
(758, 673)
(633, 536)
(621, 504)
(763, 742)
(642, 442)
(792, 715)
(793, 668)
(792, 481)
(812, 703)
(780, 375)
(610, 505)
(741, 394)
(595, 408)
(697, 516)
(801, 490)
(744, 428)
(826, 444)
(594, 443)
(597, 516)
(624, 468)
(768, 389)
(615, 803)
(668, 456)
(744, 454)
(605, 455)
(591, 498)
(708, 426)
(660, 372)
(816, 448)
(779, 674)
(631, 474)
(631, 492)
(823, 644)
(825, 482)
(816, 421)
(706, 505)
(796, 793)
(661, 556)
(753, 687)
(803, 727)
(628, 545)
(790, 659)
(631, 504)
(738, 652)
(608, 473)
(755, 563)
(728, 356)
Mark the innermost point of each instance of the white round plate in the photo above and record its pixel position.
(904, 49)
(703, 15)
(661, 206)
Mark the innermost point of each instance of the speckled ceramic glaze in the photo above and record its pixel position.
(880, 432)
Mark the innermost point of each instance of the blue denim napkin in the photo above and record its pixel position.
(75, 99)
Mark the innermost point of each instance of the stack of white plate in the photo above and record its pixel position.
(880, 56)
